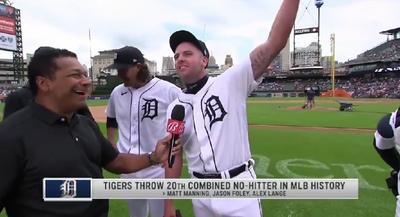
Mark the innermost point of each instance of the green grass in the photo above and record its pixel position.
(97, 102)
(364, 117)
(274, 149)
(290, 154)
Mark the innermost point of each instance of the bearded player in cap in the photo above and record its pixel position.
(137, 110)
(386, 138)
(215, 140)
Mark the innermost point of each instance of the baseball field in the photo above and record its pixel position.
(289, 142)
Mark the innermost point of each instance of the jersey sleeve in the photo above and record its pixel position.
(168, 116)
(241, 79)
(110, 111)
(384, 135)
(173, 93)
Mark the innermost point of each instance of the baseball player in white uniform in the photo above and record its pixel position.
(216, 140)
(137, 108)
(386, 141)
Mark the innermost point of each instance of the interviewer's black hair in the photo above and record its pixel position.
(43, 63)
(43, 49)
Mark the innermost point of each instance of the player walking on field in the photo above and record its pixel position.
(215, 140)
(137, 110)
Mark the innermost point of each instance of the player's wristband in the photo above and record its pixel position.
(152, 162)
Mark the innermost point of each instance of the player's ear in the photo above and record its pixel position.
(204, 61)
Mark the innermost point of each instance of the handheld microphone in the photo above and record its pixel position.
(175, 126)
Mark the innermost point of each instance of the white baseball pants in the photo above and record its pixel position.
(229, 207)
(141, 207)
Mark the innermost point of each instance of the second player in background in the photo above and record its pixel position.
(137, 111)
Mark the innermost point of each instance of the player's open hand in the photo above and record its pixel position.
(162, 149)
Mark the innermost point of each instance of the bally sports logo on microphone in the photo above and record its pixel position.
(175, 127)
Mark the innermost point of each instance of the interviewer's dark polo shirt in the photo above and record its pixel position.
(36, 143)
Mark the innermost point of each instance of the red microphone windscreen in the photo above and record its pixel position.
(175, 127)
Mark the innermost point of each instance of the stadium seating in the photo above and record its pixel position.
(381, 87)
(386, 51)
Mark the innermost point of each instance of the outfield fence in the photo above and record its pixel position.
(99, 98)
(276, 95)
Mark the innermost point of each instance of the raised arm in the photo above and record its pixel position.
(263, 55)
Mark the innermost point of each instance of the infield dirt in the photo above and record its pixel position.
(100, 116)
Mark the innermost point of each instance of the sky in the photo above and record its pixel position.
(232, 27)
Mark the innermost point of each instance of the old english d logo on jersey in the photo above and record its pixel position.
(150, 108)
(214, 110)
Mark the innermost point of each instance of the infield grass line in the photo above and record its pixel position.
(317, 129)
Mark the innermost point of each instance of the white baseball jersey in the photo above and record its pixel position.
(216, 133)
(141, 114)
(387, 134)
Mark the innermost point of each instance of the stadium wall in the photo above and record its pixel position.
(99, 98)
(276, 95)
(90, 98)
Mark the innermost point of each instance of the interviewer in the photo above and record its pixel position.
(19, 99)
(47, 139)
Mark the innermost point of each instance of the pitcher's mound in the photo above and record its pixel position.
(295, 108)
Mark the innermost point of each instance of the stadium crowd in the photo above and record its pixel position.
(273, 86)
(383, 87)
(388, 51)
(7, 89)
(359, 88)
(275, 73)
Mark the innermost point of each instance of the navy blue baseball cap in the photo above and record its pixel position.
(181, 36)
(127, 57)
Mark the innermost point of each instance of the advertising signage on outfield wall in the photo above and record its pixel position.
(8, 40)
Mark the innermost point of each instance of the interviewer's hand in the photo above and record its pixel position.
(115, 146)
(160, 155)
(169, 211)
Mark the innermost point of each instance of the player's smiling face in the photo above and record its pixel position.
(189, 62)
